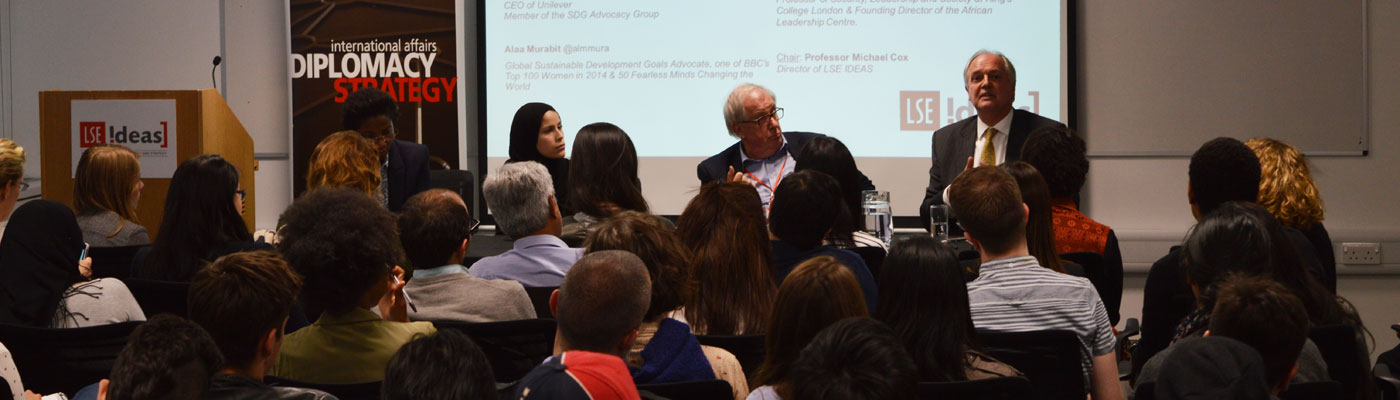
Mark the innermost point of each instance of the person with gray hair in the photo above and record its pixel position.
(521, 196)
(764, 154)
(992, 137)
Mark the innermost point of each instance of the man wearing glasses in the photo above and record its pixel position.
(403, 169)
(764, 154)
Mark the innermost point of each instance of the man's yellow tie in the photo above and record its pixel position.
(989, 151)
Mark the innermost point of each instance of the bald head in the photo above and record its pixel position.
(432, 226)
(601, 302)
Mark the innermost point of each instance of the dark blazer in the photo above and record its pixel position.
(953, 144)
(408, 172)
(716, 168)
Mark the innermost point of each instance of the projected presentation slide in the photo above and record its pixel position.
(881, 75)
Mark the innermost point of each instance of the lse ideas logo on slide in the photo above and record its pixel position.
(95, 133)
(920, 110)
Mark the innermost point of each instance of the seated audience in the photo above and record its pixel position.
(816, 294)
(599, 306)
(1213, 368)
(1061, 157)
(402, 165)
(537, 134)
(665, 350)
(435, 228)
(344, 246)
(1287, 190)
(106, 188)
(732, 262)
(345, 160)
(827, 154)
(1040, 240)
(11, 178)
(1222, 170)
(1264, 315)
(988, 204)
(42, 281)
(203, 221)
(520, 196)
(447, 365)
(603, 180)
(242, 300)
(806, 206)
(924, 301)
(165, 358)
(854, 358)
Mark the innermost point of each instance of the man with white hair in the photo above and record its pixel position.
(764, 154)
(521, 196)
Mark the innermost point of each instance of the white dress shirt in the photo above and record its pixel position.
(1004, 127)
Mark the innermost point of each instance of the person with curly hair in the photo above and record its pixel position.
(344, 159)
(402, 165)
(1287, 190)
(345, 247)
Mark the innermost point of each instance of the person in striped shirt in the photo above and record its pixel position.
(1013, 293)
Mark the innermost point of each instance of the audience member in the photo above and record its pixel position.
(1061, 157)
(816, 294)
(829, 155)
(988, 204)
(344, 160)
(345, 247)
(764, 154)
(1287, 190)
(602, 180)
(435, 228)
(1213, 368)
(11, 179)
(924, 300)
(203, 221)
(447, 365)
(1222, 170)
(242, 300)
(665, 350)
(403, 165)
(1040, 239)
(854, 358)
(537, 134)
(520, 196)
(106, 188)
(42, 281)
(732, 264)
(166, 358)
(805, 207)
(599, 307)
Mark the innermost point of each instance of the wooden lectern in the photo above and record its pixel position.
(203, 125)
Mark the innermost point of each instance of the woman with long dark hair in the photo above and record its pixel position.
(829, 155)
(816, 294)
(602, 179)
(537, 134)
(1040, 236)
(923, 298)
(723, 227)
(203, 221)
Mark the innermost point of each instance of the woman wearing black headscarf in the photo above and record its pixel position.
(537, 134)
(42, 281)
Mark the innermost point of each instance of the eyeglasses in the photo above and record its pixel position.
(241, 193)
(475, 225)
(777, 114)
(23, 186)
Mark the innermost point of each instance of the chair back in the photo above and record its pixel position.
(1312, 391)
(1340, 349)
(748, 349)
(160, 297)
(113, 262)
(1098, 276)
(462, 182)
(513, 348)
(1051, 359)
(690, 390)
(65, 359)
(1386, 384)
(1003, 388)
(539, 297)
(1145, 391)
(349, 391)
(874, 258)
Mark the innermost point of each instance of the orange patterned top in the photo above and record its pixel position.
(1074, 231)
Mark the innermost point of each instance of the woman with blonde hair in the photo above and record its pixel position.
(345, 160)
(11, 178)
(1287, 190)
(106, 190)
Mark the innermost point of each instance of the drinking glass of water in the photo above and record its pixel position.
(876, 206)
(938, 222)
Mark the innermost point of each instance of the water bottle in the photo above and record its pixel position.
(938, 222)
(876, 206)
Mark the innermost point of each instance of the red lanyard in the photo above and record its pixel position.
(773, 188)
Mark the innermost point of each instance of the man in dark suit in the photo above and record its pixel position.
(764, 154)
(992, 137)
(403, 165)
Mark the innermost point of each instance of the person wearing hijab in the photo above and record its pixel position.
(42, 281)
(537, 134)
